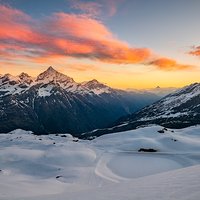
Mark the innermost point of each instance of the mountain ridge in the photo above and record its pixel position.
(52, 76)
(54, 102)
(179, 109)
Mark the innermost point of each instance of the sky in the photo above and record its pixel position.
(123, 43)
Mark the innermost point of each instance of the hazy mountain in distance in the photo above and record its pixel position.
(159, 91)
(179, 109)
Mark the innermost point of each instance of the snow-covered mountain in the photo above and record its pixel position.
(177, 110)
(96, 87)
(14, 84)
(51, 76)
(53, 102)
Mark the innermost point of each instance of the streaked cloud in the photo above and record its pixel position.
(169, 64)
(64, 34)
(195, 51)
(91, 8)
(68, 35)
(96, 9)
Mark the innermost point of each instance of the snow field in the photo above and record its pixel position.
(109, 167)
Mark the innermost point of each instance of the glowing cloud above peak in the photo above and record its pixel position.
(63, 34)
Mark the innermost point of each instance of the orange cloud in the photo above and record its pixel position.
(67, 35)
(99, 43)
(195, 51)
(77, 26)
(64, 34)
(16, 25)
(169, 64)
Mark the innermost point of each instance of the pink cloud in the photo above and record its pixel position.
(67, 35)
(64, 34)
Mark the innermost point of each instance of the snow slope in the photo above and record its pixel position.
(179, 109)
(57, 167)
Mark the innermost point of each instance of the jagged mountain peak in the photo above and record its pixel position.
(94, 81)
(25, 78)
(97, 87)
(54, 102)
(9, 78)
(51, 69)
(10, 84)
(51, 75)
(94, 84)
(23, 75)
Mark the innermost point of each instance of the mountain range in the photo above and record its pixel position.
(54, 103)
(159, 91)
(179, 109)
